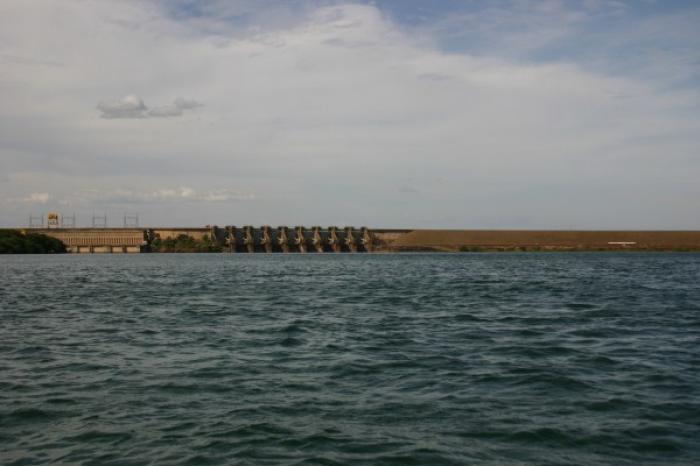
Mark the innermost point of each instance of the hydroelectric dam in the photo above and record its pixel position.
(246, 239)
(348, 239)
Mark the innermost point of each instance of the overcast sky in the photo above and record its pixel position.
(404, 113)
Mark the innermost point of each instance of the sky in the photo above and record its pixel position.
(527, 114)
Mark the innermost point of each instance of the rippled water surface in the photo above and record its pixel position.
(350, 359)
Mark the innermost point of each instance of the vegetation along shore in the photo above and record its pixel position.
(17, 242)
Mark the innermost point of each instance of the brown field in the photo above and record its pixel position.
(475, 240)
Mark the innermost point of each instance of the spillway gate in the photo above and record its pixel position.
(266, 239)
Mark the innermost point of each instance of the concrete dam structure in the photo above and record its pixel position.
(232, 239)
(300, 239)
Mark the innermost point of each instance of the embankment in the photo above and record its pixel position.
(542, 240)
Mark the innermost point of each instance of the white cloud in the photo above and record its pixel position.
(33, 198)
(323, 118)
(179, 194)
(176, 109)
(130, 106)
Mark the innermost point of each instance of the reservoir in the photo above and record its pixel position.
(435, 359)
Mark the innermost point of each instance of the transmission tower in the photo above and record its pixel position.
(131, 220)
(68, 221)
(99, 221)
(36, 221)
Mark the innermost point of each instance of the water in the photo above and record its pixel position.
(385, 359)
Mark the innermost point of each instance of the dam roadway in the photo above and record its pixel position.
(316, 239)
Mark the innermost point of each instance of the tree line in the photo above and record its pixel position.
(17, 242)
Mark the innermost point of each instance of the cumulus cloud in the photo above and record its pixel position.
(132, 106)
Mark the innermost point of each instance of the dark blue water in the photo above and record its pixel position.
(368, 359)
